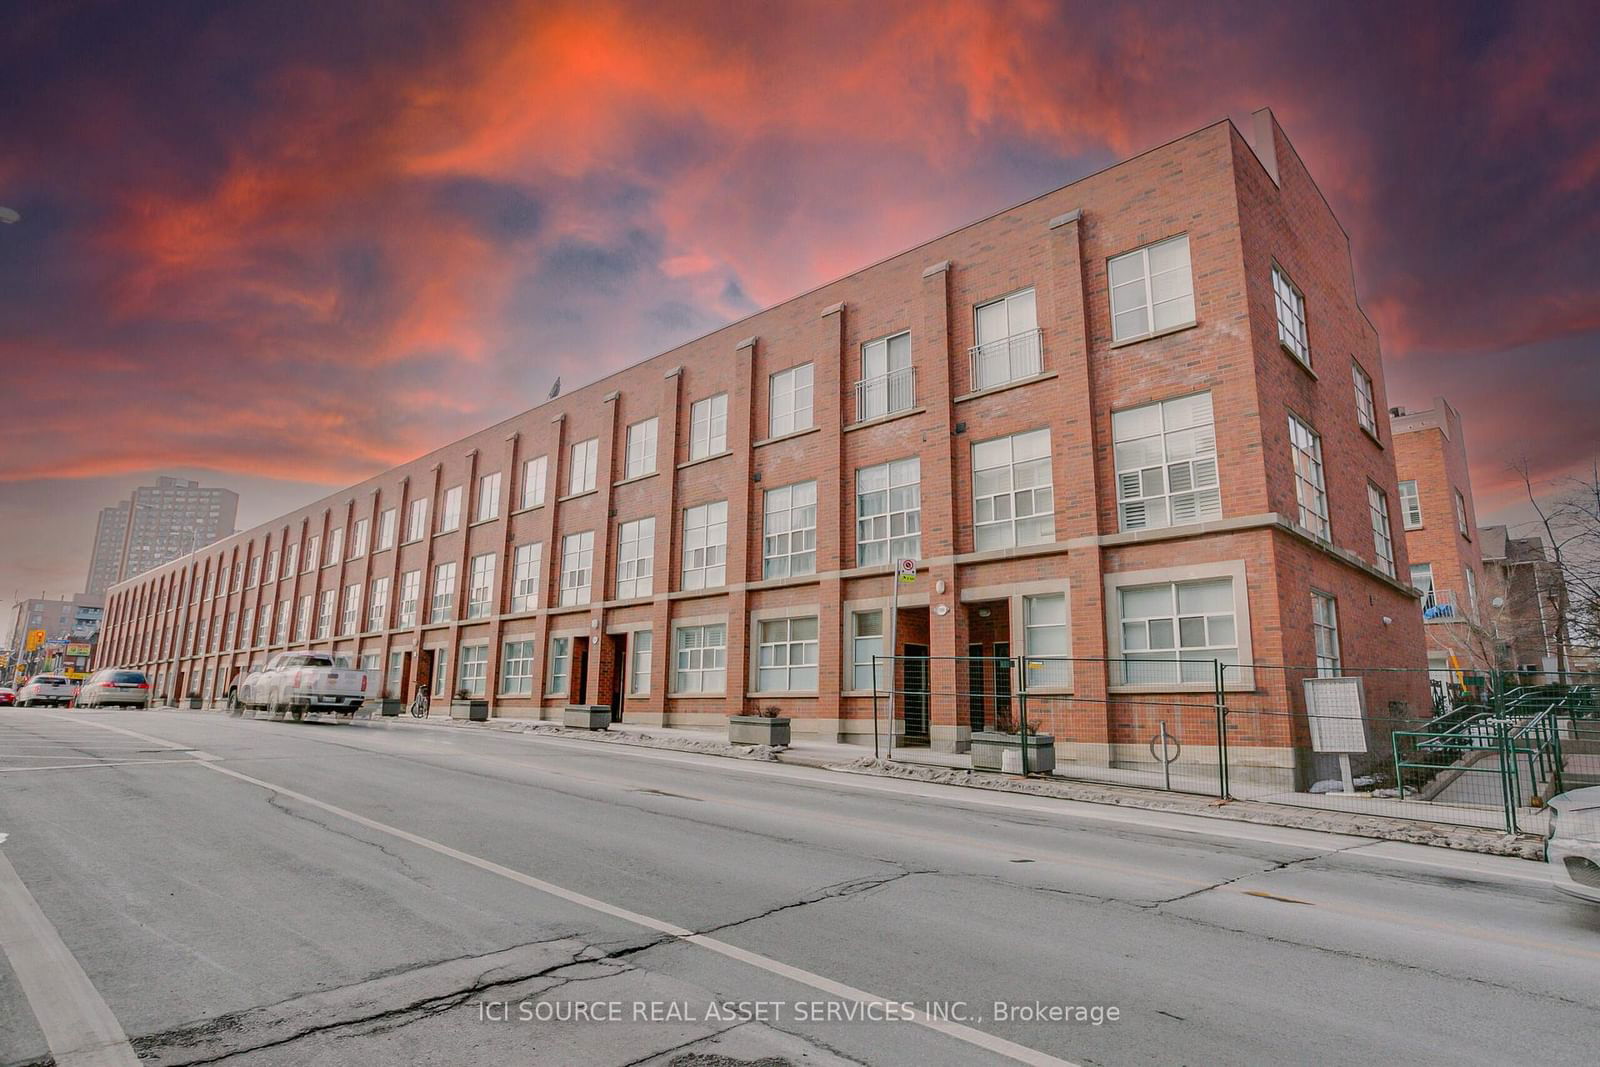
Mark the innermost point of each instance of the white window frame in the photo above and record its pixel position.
(359, 538)
(636, 557)
(410, 600)
(641, 651)
(1430, 596)
(417, 519)
(1006, 524)
(1461, 515)
(1015, 352)
(255, 573)
(577, 568)
(325, 607)
(1236, 678)
(387, 520)
(696, 665)
(789, 530)
(264, 623)
(877, 517)
(1310, 480)
(1290, 302)
(790, 400)
(378, 605)
(708, 427)
(533, 480)
(335, 551)
(888, 383)
(864, 646)
(1182, 449)
(1325, 634)
(583, 461)
(1131, 287)
(480, 586)
(1410, 504)
(516, 667)
(1366, 399)
(350, 615)
(472, 670)
(488, 497)
(786, 659)
(450, 510)
(1046, 670)
(312, 560)
(525, 564)
(639, 456)
(285, 611)
(558, 675)
(269, 573)
(442, 603)
(1382, 531)
(705, 545)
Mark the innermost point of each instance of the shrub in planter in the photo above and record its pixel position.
(762, 726)
(1000, 749)
(468, 707)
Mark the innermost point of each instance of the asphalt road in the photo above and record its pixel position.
(220, 889)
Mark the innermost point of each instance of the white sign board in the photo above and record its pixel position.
(1336, 709)
(908, 570)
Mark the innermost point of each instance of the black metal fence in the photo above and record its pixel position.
(1485, 749)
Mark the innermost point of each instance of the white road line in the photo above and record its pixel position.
(102, 763)
(77, 1025)
(977, 1038)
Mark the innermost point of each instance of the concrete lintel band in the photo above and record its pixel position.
(936, 268)
(1061, 220)
(832, 309)
(748, 342)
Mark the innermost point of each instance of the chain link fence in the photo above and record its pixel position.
(1482, 750)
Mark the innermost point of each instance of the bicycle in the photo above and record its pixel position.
(419, 703)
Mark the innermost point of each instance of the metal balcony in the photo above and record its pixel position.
(1007, 359)
(1439, 605)
(886, 394)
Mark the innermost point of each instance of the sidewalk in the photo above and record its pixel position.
(946, 768)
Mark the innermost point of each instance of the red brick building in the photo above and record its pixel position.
(1123, 422)
(1441, 534)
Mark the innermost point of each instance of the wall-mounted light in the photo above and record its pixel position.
(942, 610)
(983, 613)
(1388, 621)
(938, 586)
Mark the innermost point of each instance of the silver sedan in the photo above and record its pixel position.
(115, 687)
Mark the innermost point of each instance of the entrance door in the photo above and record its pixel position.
(580, 670)
(916, 694)
(617, 650)
(1002, 686)
(423, 675)
(975, 687)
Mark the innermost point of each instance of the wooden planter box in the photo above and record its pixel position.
(758, 730)
(586, 716)
(473, 710)
(389, 707)
(989, 752)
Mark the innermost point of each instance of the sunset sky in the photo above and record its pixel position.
(280, 246)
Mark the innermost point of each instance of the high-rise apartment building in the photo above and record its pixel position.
(156, 525)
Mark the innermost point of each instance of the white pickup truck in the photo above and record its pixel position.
(294, 683)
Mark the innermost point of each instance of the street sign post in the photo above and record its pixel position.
(905, 571)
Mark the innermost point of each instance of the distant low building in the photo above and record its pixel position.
(1528, 600)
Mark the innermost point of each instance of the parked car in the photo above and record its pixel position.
(8, 697)
(1573, 847)
(115, 687)
(293, 683)
(47, 689)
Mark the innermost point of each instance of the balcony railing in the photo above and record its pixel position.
(1006, 360)
(1439, 605)
(886, 394)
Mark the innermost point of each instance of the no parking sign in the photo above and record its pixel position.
(908, 570)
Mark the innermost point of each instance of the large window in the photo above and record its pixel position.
(269, 573)
(255, 572)
(1382, 536)
(789, 401)
(889, 512)
(708, 426)
(391, 681)
(410, 593)
(866, 641)
(1291, 304)
(533, 475)
(702, 658)
(264, 624)
(443, 606)
(639, 646)
(786, 655)
(1325, 633)
(1007, 332)
(313, 558)
(282, 635)
(577, 567)
(789, 525)
(335, 546)
(636, 547)
(1461, 515)
(417, 519)
(1152, 289)
(1171, 631)
(1410, 506)
(1045, 646)
(480, 586)
(641, 449)
(585, 457)
(350, 616)
(325, 613)
(516, 669)
(525, 577)
(386, 522)
(1309, 488)
(488, 497)
(887, 382)
(560, 679)
(450, 513)
(358, 539)
(1166, 459)
(474, 669)
(1422, 578)
(705, 545)
(1011, 491)
(1366, 406)
(378, 605)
